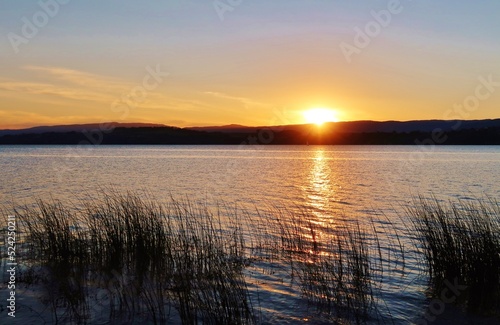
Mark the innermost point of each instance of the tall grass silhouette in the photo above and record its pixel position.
(133, 259)
(147, 257)
(461, 245)
(338, 264)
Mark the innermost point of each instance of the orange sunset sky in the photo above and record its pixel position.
(192, 63)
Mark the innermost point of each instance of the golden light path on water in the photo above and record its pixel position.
(319, 193)
(319, 179)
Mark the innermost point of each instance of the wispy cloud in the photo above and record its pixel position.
(80, 85)
(245, 101)
(68, 84)
(57, 86)
(54, 90)
(81, 78)
(20, 119)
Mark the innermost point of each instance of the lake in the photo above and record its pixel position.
(353, 182)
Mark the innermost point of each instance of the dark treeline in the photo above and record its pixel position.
(311, 135)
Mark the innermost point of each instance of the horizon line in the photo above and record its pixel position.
(153, 124)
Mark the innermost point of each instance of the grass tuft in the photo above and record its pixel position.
(461, 244)
(132, 258)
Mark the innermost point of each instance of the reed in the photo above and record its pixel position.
(52, 232)
(146, 258)
(52, 238)
(207, 277)
(461, 244)
(185, 262)
(338, 264)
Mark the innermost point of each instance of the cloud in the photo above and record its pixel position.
(81, 78)
(12, 119)
(79, 85)
(69, 84)
(50, 89)
(56, 86)
(245, 101)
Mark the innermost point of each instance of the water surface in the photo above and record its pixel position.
(357, 182)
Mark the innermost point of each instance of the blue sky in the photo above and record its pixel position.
(264, 56)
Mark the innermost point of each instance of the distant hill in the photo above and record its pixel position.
(478, 132)
(231, 128)
(75, 128)
(367, 126)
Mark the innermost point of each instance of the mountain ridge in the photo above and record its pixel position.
(75, 127)
(368, 126)
(359, 126)
(447, 132)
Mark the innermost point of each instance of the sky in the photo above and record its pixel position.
(250, 62)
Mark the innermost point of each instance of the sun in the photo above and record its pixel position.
(319, 116)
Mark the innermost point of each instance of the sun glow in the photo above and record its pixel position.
(319, 116)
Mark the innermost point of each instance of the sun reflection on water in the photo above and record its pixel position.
(319, 190)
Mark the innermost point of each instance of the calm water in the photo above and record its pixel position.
(359, 182)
